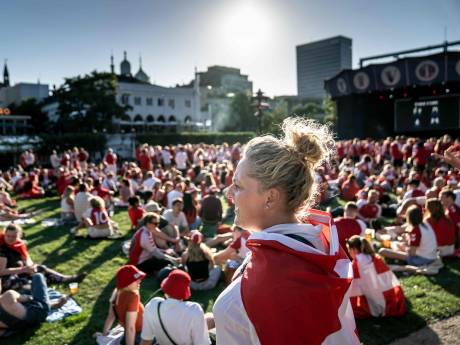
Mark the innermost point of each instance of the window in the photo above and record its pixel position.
(150, 118)
(171, 103)
(188, 103)
(161, 102)
(138, 118)
(149, 101)
(188, 119)
(161, 118)
(172, 118)
(137, 100)
(125, 99)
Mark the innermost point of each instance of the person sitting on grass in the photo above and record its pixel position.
(98, 222)
(20, 312)
(422, 245)
(144, 253)
(370, 210)
(375, 290)
(173, 320)
(135, 212)
(16, 264)
(125, 305)
(199, 261)
(442, 226)
(67, 205)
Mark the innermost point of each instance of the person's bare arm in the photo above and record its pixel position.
(109, 320)
(130, 327)
(450, 156)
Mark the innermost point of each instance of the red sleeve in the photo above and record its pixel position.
(132, 302)
(415, 237)
(236, 244)
(132, 216)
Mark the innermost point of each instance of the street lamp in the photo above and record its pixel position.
(260, 107)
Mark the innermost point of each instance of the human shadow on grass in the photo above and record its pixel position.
(19, 337)
(46, 235)
(449, 277)
(72, 248)
(96, 319)
(43, 206)
(381, 331)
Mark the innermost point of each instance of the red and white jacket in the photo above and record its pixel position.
(288, 292)
(375, 290)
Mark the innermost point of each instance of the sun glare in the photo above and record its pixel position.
(245, 26)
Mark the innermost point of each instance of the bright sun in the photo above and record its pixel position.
(245, 26)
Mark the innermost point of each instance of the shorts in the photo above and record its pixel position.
(419, 261)
(99, 233)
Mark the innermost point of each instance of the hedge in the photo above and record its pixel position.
(194, 138)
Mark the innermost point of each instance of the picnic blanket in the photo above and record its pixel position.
(68, 309)
(113, 338)
(430, 269)
(18, 221)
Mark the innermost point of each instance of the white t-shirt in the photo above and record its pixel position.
(174, 194)
(184, 322)
(181, 160)
(166, 156)
(150, 182)
(179, 220)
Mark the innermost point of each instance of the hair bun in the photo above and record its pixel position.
(311, 141)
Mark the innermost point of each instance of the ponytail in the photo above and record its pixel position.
(362, 245)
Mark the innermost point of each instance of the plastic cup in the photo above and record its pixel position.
(386, 240)
(369, 235)
(73, 288)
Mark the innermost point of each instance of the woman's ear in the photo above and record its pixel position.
(273, 197)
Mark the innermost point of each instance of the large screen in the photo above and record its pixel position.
(427, 113)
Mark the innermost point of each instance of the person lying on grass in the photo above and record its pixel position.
(16, 265)
(20, 312)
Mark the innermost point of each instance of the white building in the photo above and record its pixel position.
(22, 91)
(156, 105)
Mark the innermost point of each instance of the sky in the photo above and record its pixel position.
(53, 39)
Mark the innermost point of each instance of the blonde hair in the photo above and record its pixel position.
(199, 252)
(288, 163)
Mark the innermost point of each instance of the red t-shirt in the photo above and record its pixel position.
(369, 211)
(129, 301)
(99, 216)
(135, 214)
(421, 156)
(101, 192)
(444, 231)
(349, 190)
(347, 227)
(395, 151)
(415, 237)
(453, 212)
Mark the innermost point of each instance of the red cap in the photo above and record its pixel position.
(177, 285)
(196, 236)
(127, 275)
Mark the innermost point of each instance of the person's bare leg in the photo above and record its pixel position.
(9, 302)
(393, 254)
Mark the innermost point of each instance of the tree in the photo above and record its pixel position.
(241, 114)
(30, 106)
(311, 110)
(330, 110)
(88, 103)
(274, 118)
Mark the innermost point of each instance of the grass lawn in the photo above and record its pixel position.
(429, 298)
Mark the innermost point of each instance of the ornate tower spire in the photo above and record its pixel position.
(112, 66)
(6, 75)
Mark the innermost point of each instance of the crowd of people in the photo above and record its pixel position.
(201, 214)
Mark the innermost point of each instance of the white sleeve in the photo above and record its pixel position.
(199, 327)
(149, 319)
(183, 220)
(363, 226)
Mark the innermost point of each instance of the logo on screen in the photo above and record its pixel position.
(341, 85)
(361, 81)
(390, 75)
(427, 70)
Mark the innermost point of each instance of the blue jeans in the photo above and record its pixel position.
(39, 307)
(418, 260)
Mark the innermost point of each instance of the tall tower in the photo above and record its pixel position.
(6, 75)
(112, 66)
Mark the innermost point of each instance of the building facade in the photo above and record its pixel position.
(321, 60)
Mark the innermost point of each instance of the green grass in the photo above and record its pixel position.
(429, 298)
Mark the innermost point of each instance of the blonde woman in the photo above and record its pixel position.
(67, 205)
(294, 286)
(199, 260)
